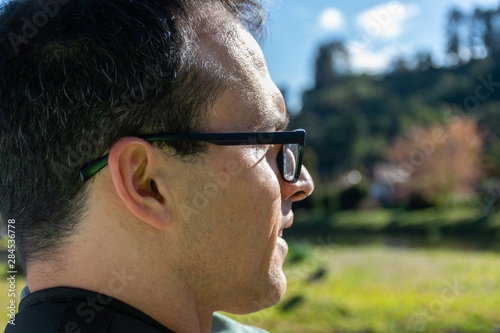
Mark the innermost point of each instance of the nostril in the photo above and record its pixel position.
(300, 195)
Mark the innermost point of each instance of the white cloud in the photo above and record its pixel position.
(386, 20)
(331, 19)
(367, 61)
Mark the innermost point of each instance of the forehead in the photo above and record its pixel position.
(251, 102)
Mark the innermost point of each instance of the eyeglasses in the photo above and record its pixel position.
(289, 157)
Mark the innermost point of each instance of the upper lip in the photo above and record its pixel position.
(288, 223)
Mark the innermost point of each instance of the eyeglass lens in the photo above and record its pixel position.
(290, 158)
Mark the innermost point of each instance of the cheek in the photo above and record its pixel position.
(247, 208)
(252, 199)
(255, 177)
(263, 202)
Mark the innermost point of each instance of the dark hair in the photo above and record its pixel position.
(77, 75)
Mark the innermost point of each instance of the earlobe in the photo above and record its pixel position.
(133, 165)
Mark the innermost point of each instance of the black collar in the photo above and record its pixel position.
(67, 295)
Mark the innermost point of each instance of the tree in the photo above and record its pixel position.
(424, 61)
(332, 61)
(455, 21)
(439, 162)
(488, 33)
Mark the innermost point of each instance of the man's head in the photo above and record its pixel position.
(78, 75)
(206, 219)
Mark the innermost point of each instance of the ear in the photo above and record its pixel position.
(135, 168)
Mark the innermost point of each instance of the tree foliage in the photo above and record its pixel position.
(352, 119)
(439, 162)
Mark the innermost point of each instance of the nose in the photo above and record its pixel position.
(299, 190)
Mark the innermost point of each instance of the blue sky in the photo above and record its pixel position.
(376, 30)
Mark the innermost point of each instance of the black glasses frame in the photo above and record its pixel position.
(222, 139)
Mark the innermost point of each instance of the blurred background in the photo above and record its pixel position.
(401, 103)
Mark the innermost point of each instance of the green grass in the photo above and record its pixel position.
(377, 289)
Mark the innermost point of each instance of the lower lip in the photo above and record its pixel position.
(282, 244)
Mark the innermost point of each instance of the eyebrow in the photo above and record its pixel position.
(278, 124)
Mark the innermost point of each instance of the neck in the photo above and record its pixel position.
(143, 284)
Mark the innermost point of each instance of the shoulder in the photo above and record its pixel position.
(223, 324)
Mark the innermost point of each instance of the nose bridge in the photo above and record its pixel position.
(299, 190)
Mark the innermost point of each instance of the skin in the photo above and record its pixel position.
(181, 240)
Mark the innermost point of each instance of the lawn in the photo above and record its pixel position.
(374, 288)
(378, 289)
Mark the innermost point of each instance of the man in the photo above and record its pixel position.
(125, 220)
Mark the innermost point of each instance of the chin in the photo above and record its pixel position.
(266, 295)
(267, 289)
(281, 288)
(275, 290)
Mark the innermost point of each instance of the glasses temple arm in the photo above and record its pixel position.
(91, 169)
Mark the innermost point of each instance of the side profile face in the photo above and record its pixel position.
(174, 237)
(237, 204)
